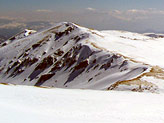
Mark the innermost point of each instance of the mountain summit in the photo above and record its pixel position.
(70, 56)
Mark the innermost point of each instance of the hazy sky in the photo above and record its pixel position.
(131, 15)
(80, 4)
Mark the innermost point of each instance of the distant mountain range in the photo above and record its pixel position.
(8, 32)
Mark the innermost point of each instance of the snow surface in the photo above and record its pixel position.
(133, 45)
(26, 104)
(156, 81)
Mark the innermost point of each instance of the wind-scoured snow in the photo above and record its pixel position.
(25, 104)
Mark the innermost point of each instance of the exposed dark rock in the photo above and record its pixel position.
(58, 35)
(26, 63)
(85, 52)
(11, 67)
(78, 69)
(44, 53)
(59, 52)
(35, 46)
(90, 79)
(46, 63)
(96, 66)
(123, 64)
(57, 66)
(108, 62)
(91, 65)
(4, 44)
(43, 79)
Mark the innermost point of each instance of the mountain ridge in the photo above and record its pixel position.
(66, 56)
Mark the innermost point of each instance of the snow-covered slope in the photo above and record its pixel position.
(21, 104)
(135, 46)
(20, 35)
(69, 56)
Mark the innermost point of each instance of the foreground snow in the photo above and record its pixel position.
(23, 104)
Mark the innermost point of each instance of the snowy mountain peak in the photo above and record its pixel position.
(69, 56)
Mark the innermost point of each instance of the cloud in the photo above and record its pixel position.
(117, 11)
(7, 18)
(12, 18)
(132, 19)
(44, 10)
(90, 9)
(146, 11)
(12, 25)
(136, 14)
(136, 11)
